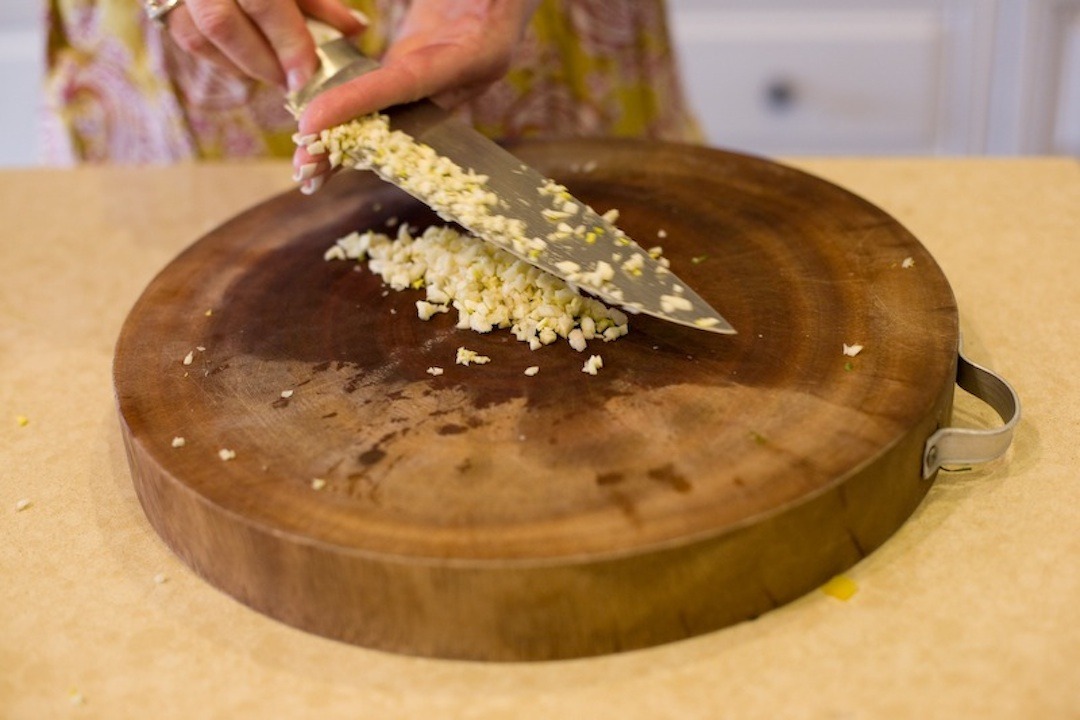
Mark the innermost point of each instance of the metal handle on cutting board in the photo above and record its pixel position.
(965, 446)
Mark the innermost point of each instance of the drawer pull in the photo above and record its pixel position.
(780, 95)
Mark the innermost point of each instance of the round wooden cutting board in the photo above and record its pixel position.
(697, 481)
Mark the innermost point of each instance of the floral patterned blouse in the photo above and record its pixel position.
(118, 90)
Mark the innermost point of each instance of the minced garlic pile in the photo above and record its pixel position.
(489, 287)
(486, 283)
(462, 196)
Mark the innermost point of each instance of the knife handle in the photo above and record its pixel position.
(339, 61)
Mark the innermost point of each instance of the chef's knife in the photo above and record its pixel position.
(594, 247)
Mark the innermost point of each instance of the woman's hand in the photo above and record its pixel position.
(263, 39)
(446, 50)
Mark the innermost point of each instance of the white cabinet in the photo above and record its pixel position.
(1036, 103)
(22, 57)
(883, 76)
(1066, 124)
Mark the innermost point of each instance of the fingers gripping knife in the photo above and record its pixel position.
(567, 238)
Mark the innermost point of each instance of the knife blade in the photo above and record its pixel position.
(579, 245)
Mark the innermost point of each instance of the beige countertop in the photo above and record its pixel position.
(971, 610)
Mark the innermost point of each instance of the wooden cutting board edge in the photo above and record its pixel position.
(505, 610)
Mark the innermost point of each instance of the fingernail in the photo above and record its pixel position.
(361, 18)
(305, 172)
(313, 184)
(295, 79)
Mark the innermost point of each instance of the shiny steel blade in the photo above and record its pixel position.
(578, 244)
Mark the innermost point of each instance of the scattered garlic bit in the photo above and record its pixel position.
(908, 262)
(593, 364)
(554, 216)
(335, 253)
(661, 233)
(435, 371)
(161, 579)
(318, 484)
(470, 357)
(852, 350)
(189, 357)
(22, 504)
(209, 312)
(286, 394)
(426, 310)
(550, 188)
(22, 420)
(673, 303)
(589, 166)
(489, 287)
(178, 442)
(840, 587)
(225, 454)
(600, 275)
(532, 370)
(635, 265)
(567, 267)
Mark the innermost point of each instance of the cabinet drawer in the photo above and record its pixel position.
(813, 81)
